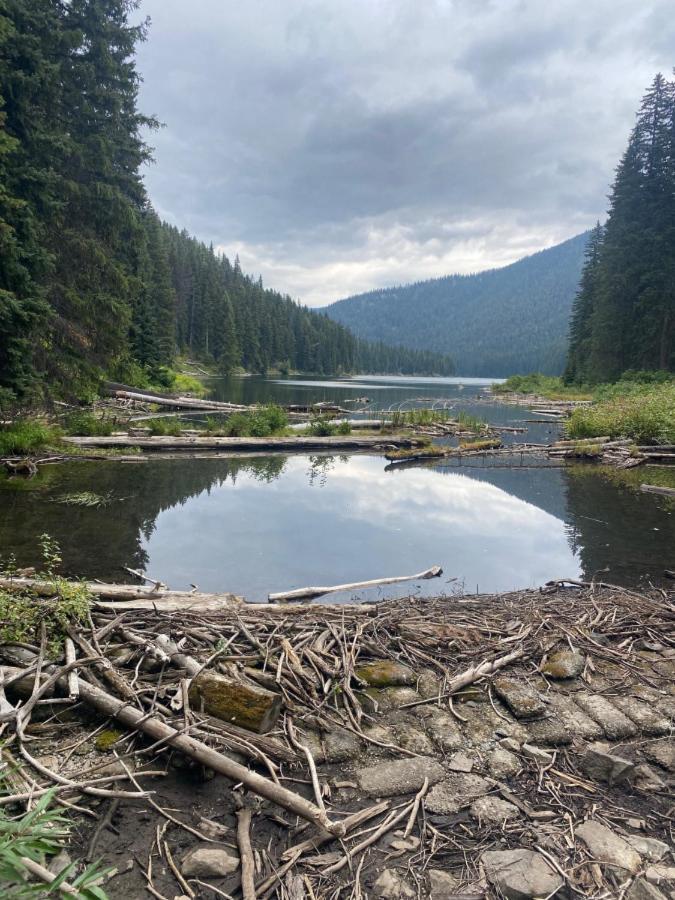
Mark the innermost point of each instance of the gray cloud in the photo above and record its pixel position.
(343, 146)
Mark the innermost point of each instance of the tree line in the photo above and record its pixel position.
(623, 317)
(92, 284)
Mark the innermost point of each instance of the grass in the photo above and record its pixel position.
(85, 424)
(549, 386)
(27, 436)
(165, 427)
(417, 453)
(490, 444)
(37, 835)
(322, 426)
(646, 415)
(263, 422)
(85, 499)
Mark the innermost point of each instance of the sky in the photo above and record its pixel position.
(340, 146)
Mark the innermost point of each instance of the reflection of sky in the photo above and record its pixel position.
(354, 523)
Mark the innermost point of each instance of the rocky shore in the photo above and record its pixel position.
(513, 746)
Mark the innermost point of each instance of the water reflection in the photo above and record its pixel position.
(269, 523)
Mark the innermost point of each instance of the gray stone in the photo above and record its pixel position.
(460, 762)
(613, 722)
(660, 875)
(429, 684)
(609, 848)
(60, 862)
(213, 830)
(597, 762)
(393, 697)
(444, 731)
(647, 779)
(509, 743)
(385, 673)
(390, 885)
(502, 763)
(209, 862)
(551, 731)
(662, 753)
(442, 885)
(521, 874)
(455, 792)
(484, 726)
(643, 715)
(399, 776)
(494, 809)
(542, 757)
(413, 739)
(574, 720)
(564, 664)
(643, 890)
(340, 745)
(649, 848)
(520, 697)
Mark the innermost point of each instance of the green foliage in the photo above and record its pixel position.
(86, 499)
(624, 315)
(85, 424)
(321, 426)
(553, 388)
(26, 436)
(166, 426)
(36, 835)
(263, 422)
(646, 414)
(344, 428)
(493, 323)
(188, 384)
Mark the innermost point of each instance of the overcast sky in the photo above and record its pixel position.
(343, 145)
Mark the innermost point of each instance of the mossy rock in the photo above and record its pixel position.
(107, 738)
(385, 673)
(241, 703)
(564, 664)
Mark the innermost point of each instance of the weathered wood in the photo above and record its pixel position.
(308, 593)
(245, 704)
(657, 489)
(294, 444)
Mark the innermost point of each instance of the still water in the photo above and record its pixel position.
(257, 524)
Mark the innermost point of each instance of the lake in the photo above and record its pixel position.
(267, 523)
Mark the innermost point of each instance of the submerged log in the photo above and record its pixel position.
(299, 444)
(308, 593)
(657, 489)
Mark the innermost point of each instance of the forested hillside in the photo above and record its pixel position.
(624, 313)
(499, 322)
(91, 283)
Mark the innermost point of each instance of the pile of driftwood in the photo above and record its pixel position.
(254, 679)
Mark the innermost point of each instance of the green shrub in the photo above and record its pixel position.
(344, 427)
(321, 426)
(646, 415)
(85, 424)
(26, 436)
(167, 426)
(549, 386)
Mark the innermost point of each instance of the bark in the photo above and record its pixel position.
(309, 593)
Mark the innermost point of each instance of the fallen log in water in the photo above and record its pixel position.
(657, 489)
(300, 444)
(309, 593)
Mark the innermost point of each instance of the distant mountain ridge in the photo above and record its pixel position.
(504, 321)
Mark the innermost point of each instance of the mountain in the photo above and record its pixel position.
(499, 322)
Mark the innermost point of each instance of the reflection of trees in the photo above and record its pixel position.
(319, 467)
(615, 529)
(100, 541)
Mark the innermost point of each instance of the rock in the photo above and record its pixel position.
(573, 718)
(648, 848)
(385, 673)
(599, 763)
(209, 862)
(509, 743)
(340, 745)
(60, 862)
(521, 874)
(241, 702)
(392, 697)
(483, 726)
(442, 885)
(643, 890)
(413, 739)
(564, 664)
(662, 753)
(520, 697)
(460, 762)
(647, 779)
(429, 684)
(613, 722)
(406, 844)
(494, 809)
(502, 763)
(444, 731)
(455, 792)
(643, 715)
(213, 830)
(607, 847)
(660, 874)
(399, 776)
(542, 757)
(390, 885)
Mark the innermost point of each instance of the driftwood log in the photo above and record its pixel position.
(291, 444)
(309, 593)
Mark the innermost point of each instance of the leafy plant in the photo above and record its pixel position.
(86, 498)
(38, 834)
(26, 436)
(321, 426)
(85, 424)
(167, 426)
(646, 414)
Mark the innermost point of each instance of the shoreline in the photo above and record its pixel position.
(449, 736)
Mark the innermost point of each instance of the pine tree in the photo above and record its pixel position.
(582, 310)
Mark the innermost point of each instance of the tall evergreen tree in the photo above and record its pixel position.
(582, 310)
